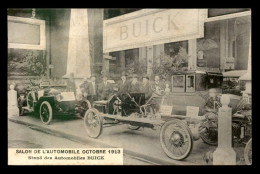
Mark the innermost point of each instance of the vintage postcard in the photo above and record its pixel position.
(129, 86)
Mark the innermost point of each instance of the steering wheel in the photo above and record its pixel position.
(159, 91)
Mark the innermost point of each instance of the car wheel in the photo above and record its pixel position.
(176, 139)
(46, 112)
(93, 123)
(248, 152)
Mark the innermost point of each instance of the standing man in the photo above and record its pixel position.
(105, 88)
(83, 87)
(157, 85)
(146, 88)
(71, 87)
(92, 89)
(134, 86)
(123, 84)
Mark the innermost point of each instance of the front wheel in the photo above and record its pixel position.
(46, 112)
(209, 132)
(248, 152)
(176, 139)
(93, 123)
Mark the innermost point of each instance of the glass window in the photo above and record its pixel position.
(178, 83)
(190, 83)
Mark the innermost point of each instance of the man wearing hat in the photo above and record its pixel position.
(92, 89)
(83, 87)
(105, 88)
(157, 84)
(212, 104)
(71, 87)
(123, 84)
(146, 87)
(134, 86)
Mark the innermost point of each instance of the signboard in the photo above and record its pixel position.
(152, 27)
(166, 110)
(192, 111)
(26, 33)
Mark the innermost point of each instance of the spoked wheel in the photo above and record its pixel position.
(46, 112)
(209, 134)
(133, 127)
(176, 139)
(93, 123)
(85, 106)
(248, 152)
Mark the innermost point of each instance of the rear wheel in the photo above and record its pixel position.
(209, 132)
(93, 123)
(176, 139)
(46, 112)
(133, 127)
(248, 152)
(85, 106)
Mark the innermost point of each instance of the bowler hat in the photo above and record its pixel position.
(93, 75)
(146, 76)
(213, 90)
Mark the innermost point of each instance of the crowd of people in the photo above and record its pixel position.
(92, 91)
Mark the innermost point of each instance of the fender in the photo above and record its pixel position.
(50, 99)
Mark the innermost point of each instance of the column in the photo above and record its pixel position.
(223, 44)
(122, 60)
(158, 51)
(79, 51)
(192, 54)
(12, 102)
(149, 60)
(224, 154)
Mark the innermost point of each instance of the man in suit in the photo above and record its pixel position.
(123, 84)
(92, 89)
(134, 85)
(83, 87)
(146, 88)
(105, 88)
(71, 87)
(157, 85)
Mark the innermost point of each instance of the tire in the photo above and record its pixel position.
(130, 126)
(46, 112)
(248, 152)
(85, 104)
(209, 137)
(93, 123)
(179, 135)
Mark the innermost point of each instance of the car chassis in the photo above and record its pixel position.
(176, 137)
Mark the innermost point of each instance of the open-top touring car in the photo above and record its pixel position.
(48, 101)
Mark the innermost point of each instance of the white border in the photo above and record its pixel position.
(41, 23)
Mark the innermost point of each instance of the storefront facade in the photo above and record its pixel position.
(224, 46)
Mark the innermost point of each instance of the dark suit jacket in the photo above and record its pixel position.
(147, 90)
(104, 90)
(83, 87)
(123, 87)
(90, 89)
(134, 88)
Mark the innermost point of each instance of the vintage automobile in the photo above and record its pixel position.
(176, 136)
(241, 126)
(190, 88)
(53, 100)
(231, 84)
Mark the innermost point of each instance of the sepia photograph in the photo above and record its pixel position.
(129, 86)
